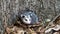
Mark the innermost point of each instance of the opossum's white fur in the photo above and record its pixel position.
(28, 18)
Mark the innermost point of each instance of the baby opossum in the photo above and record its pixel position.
(26, 16)
(29, 17)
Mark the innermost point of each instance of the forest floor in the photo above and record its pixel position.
(53, 28)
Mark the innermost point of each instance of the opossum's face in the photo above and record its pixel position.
(26, 18)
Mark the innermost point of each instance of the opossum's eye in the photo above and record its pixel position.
(23, 16)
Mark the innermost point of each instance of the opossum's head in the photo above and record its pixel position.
(26, 18)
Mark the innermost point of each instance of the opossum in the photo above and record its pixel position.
(26, 17)
(29, 17)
